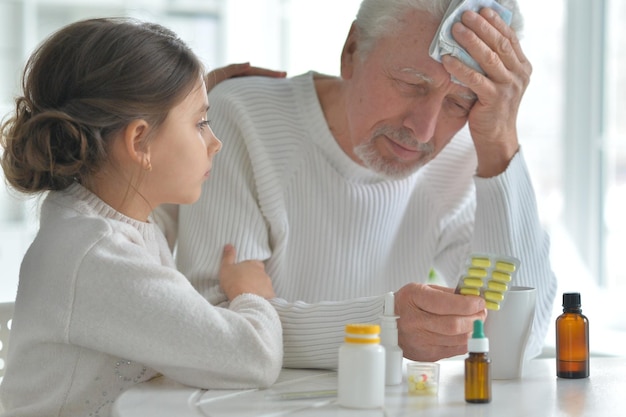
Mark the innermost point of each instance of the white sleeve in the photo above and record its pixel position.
(507, 218)
(129, 307)
(312, 333)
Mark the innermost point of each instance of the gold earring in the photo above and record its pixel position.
(148, 166)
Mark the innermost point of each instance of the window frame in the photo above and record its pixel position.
(584, 159)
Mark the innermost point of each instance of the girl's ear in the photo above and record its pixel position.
(348, 53)
(135, 144)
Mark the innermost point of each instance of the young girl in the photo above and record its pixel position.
(112, 123)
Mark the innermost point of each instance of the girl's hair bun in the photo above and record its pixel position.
(50, 150)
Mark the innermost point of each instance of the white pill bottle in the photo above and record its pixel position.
(361, 371)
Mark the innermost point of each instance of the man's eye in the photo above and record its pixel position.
(410, 88)
(415, 88)
(456, 108)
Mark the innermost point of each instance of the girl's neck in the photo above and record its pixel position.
(118, 192)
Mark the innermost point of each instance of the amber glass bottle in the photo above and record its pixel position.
(478, 367)
(572, 339)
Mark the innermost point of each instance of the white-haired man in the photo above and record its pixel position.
(353, 186)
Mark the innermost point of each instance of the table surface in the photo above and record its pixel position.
(538, 393)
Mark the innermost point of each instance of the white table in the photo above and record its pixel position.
(538, 393)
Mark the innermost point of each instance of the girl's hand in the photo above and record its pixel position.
(247, 277)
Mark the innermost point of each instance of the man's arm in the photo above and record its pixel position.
(507, 220)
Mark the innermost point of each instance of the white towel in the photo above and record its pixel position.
(444, 44)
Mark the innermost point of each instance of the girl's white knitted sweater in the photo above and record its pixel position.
(100, 307)
(337, 236)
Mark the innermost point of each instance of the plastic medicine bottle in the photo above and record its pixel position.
(389, 340)
(572, 339)
(478, 367)
(361, 372)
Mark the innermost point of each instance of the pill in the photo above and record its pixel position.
(501, 276)
(473, 282)
(494, 296)
(469, 291)
(477, 272)
(491, 305)
(505, 266)
(481, 262)
(497, 286)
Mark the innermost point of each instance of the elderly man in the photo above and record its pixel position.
(353, 186)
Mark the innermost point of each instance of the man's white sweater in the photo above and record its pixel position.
(337, 236)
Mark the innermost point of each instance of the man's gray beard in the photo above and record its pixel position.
(391, 167)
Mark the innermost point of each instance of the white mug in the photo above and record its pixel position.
(508, 330)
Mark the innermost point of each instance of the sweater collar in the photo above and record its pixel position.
(313, 118)
(90, 204)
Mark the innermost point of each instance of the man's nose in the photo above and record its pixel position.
(421, 117)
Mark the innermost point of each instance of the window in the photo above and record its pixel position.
(614, 221)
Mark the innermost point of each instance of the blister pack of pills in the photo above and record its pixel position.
(488, 276)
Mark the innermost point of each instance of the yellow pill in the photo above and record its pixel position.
(497, 286)
(469, 291)
(492, 305)
(473, 282)
(494, 296)
(481, 262)
(505, 266)
(477, 272)
(501, 276)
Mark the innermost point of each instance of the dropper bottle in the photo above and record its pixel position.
(478, 367)
(572, 339)
(389, 339)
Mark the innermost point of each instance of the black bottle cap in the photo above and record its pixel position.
(571, 300)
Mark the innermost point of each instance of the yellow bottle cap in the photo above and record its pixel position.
(362, 333)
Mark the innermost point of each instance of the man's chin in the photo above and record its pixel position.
(391, 167)
(395, 170)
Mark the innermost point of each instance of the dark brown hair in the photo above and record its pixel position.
(84, 83)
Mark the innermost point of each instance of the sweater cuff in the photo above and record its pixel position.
(515, 175)
(505, 207)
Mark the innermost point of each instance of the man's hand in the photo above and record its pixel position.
(434, 322)
(492, 120)
(238, 70)
(243, 277)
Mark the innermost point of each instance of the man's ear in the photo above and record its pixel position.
(135, 144)
(348, 53)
